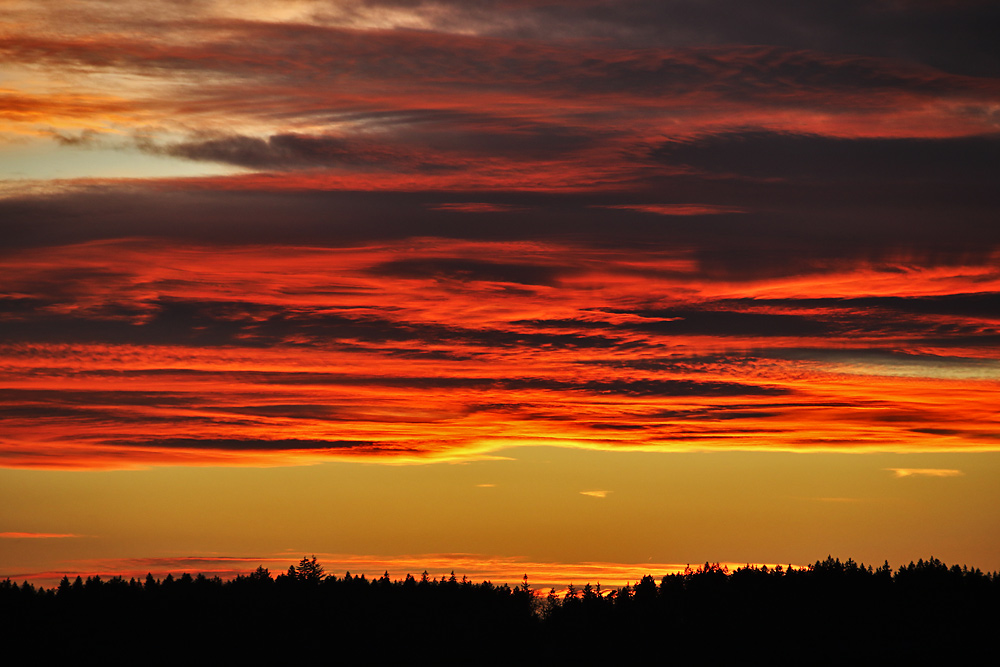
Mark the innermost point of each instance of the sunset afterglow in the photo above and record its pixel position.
(571, 289)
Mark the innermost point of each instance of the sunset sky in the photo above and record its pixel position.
(583, 289)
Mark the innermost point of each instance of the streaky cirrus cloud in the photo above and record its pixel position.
(420, 231)
(175, 353)
(952, 35)
(14, 535)
(925, 472)
(678, 209)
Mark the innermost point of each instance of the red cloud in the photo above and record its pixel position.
(35, 536)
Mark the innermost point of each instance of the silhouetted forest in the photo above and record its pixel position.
(831, 612)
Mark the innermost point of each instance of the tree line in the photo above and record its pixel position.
(821, 614)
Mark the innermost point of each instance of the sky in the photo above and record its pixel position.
(582, 290)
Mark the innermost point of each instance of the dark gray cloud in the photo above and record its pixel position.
(335, 219)
(876, 354)
(761, 154)
(954, 36)
(677, 321)
(703, 323)
(957, 35)
(285, 411)
(419, 144)
(421, 63)
(889, 317)
(983, 304)
(25, 396)
(15, 306)
(794, 227)
(281, 151)
(231, 444)
(621, 387)
(247, 324)
(456, 268)
(100, 417)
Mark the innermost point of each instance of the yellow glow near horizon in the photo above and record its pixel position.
(529, 506)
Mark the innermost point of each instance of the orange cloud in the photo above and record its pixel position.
(450, 350)
(434, 244)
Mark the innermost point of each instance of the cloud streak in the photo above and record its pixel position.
(925, 472)
(35, 536)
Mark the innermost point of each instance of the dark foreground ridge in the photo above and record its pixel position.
(831, 612)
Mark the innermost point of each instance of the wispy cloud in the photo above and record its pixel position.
(925, 472)
(474, 207)
(418, 231)
(836, 499)
(678, 209)
(210, 352)
(35, 536)
(595, 494)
